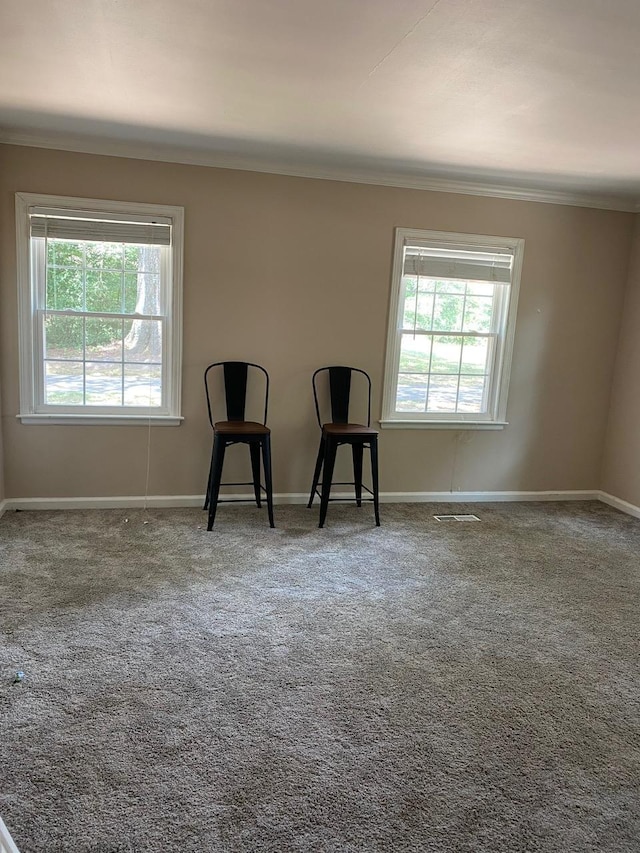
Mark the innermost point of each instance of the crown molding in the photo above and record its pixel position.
(318, 171)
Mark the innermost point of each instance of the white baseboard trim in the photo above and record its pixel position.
(3, 508)
(116, 502)
(618, 503)
(7, 844)
(486, 497)
(168, 501)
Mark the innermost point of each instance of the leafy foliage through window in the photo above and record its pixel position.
(441, 371)
(96, 353)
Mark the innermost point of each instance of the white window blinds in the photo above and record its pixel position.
(446, 263)
(102, 227)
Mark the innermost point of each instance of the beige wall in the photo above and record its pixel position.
(294, 273)
(5, 226)
(621, 465)
(2, 495)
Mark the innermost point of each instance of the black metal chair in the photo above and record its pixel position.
(340, 431)
(236, 430)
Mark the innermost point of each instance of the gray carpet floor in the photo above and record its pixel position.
(421, 686)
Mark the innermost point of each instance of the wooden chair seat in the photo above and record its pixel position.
(243, 428)
(348, 429)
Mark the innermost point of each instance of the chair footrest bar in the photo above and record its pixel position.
(245, 484)
(236, 501)
(354, 498)
(351, 500)
(364, 488)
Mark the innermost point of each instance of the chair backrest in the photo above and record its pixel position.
(235, 377)
(340, 392)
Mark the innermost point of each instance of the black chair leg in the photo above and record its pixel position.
(206, 497)
(316, 473)
(266, 461)
(217, 459)
(357, 451)
(254, 449)
(374, 478)
(327, 475)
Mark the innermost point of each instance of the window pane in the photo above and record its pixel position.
(481, 288)
(132, 256)
(142, 293)
(447, 316)
(412, 392)
(143, 341)
(442, 394)
(410, 285)
(63, 337)
(418, 313)
(65, 253)
(103, 384)
(446, 355)
(450, 286)
(63, 383)
(426, 285)
(142, 385)
(104, 256)
(130, 292)
(104, 291)
(65, 290)
(148, 259)
(477, 314)
(475, 355)
(103, 340)
(471, 393)
(414, 353)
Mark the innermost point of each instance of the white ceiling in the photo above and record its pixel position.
(518, 93)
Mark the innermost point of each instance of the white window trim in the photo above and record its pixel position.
(28, 349)
(495, 419)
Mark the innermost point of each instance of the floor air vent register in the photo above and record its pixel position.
(467, 517)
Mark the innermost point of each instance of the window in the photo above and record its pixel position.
(100, 301)
(452, 320)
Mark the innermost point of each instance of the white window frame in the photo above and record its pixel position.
(495, 417)
(33, 409)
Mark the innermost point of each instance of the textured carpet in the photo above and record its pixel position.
(422, 686)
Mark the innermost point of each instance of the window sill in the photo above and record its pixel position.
(102, 420)
(416, 424)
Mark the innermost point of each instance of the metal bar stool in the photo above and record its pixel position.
(340, 431)
(236, 430)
